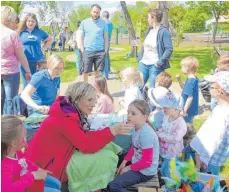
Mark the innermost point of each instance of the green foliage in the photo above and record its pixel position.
(80, 14)
(17, 5)
(138, 14)
(217, 8)
(177, 15)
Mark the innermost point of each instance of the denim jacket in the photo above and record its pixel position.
(164, 47)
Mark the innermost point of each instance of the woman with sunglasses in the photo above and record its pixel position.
(44, 86)
(31, 36)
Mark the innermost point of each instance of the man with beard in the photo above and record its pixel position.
(93, 43)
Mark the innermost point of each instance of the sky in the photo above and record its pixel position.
(110, 6)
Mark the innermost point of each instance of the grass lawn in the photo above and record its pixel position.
(205, 55)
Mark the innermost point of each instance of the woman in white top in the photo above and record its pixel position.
(157, 48)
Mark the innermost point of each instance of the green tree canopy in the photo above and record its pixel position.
(17, 5)
(80, 14)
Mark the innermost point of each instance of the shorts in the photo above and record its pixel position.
(90, 59)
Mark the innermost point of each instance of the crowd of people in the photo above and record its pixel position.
(65, 151)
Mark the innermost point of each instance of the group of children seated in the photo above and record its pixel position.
(168, 130)
(162, 129)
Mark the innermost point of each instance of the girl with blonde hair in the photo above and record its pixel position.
(44, 86)
(132, 80)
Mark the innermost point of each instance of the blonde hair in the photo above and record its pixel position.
(130, 75)
(223, 63)
(142, 106)
(24, 26)
(53, 59)
(191, 63)
(164, 79)
(8, 14)
(11, 127)
(101, 84)
(79, 91)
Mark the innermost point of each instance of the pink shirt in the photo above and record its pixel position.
(105, 104)
(171, 137)
(16, 173)
(10, 40)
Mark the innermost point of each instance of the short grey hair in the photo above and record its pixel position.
(79, 91)
(106, 14)
(8, 14)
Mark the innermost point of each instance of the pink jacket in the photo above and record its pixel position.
(171, 137)
(16, 174)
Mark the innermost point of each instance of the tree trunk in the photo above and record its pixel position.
(130, 28)
(163, 6)
(215, 30)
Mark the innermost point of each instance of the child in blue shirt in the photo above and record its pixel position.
(190, 92)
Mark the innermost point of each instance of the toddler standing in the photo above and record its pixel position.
(190, 89)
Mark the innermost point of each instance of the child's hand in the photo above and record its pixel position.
(122, 166)
(43, 109)
(178, 77)
(183, 113)
(39, 175)
(47, 171)
(125, 169)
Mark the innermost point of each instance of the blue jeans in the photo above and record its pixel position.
(63, 41)
(78, 59)
(106, 65)
(53, 45)
(189, 118)
(127, 179)
(52, 184)
(33, 69)
(149, 72)
(9, 89)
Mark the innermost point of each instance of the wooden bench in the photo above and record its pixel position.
(151, 184)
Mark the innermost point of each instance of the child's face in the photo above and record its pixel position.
(57, 69)
(184, 69)
(170, 111)
(215, 90)
(135, 116)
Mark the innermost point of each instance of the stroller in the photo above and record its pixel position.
(204, 87)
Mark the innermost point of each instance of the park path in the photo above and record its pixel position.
(115, 88)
